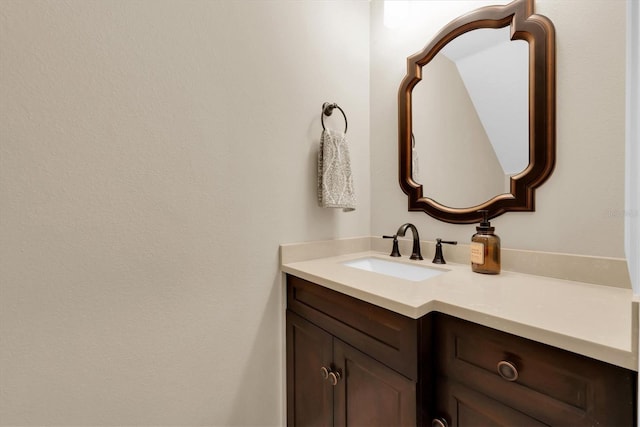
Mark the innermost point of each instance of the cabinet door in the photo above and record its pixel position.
(309, 395)
(463, 407)
(369, 393)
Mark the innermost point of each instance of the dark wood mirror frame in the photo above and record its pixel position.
(539, 32)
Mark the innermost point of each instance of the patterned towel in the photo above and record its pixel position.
(335, 183)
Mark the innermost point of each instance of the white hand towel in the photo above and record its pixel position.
(335, 182)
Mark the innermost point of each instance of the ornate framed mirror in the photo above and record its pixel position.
(518, 24)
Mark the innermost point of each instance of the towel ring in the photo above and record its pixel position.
(327, 110)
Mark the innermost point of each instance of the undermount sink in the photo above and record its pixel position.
(400, 270)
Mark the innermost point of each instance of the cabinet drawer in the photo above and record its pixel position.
(553, 385)
(386, 336)
(463, 407)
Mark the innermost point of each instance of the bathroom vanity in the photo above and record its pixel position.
(378, 340)
(445, 352)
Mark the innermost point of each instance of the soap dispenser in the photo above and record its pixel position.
(485, 248)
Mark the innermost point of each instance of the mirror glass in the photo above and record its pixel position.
(471, 118)
(476, 115)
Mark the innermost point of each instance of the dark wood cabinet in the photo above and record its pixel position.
(309, 349)
(351, 363)
(369, 393)
(458, 405)
(547, 385)
(329, 381)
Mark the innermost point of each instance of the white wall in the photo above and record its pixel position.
(578, 210)
(153, 156)
(632, 153)
(450, 134)
(497, 79)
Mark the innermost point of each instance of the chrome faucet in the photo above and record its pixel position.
(416, 239)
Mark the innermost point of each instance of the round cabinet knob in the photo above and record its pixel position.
(439, 422)
(324, 372)
(334, 377)
(507, 370)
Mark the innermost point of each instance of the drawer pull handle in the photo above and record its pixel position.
(324, 372)
(334, 377)
(439, 422)
(507, 370)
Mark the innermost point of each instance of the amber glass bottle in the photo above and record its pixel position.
(485, 248)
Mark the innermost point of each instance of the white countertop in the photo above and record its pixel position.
(594, 320)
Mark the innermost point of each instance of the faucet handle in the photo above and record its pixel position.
(439, 258)
(448, 242)
(395, 252)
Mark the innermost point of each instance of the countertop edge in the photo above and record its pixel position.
(615, 356)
